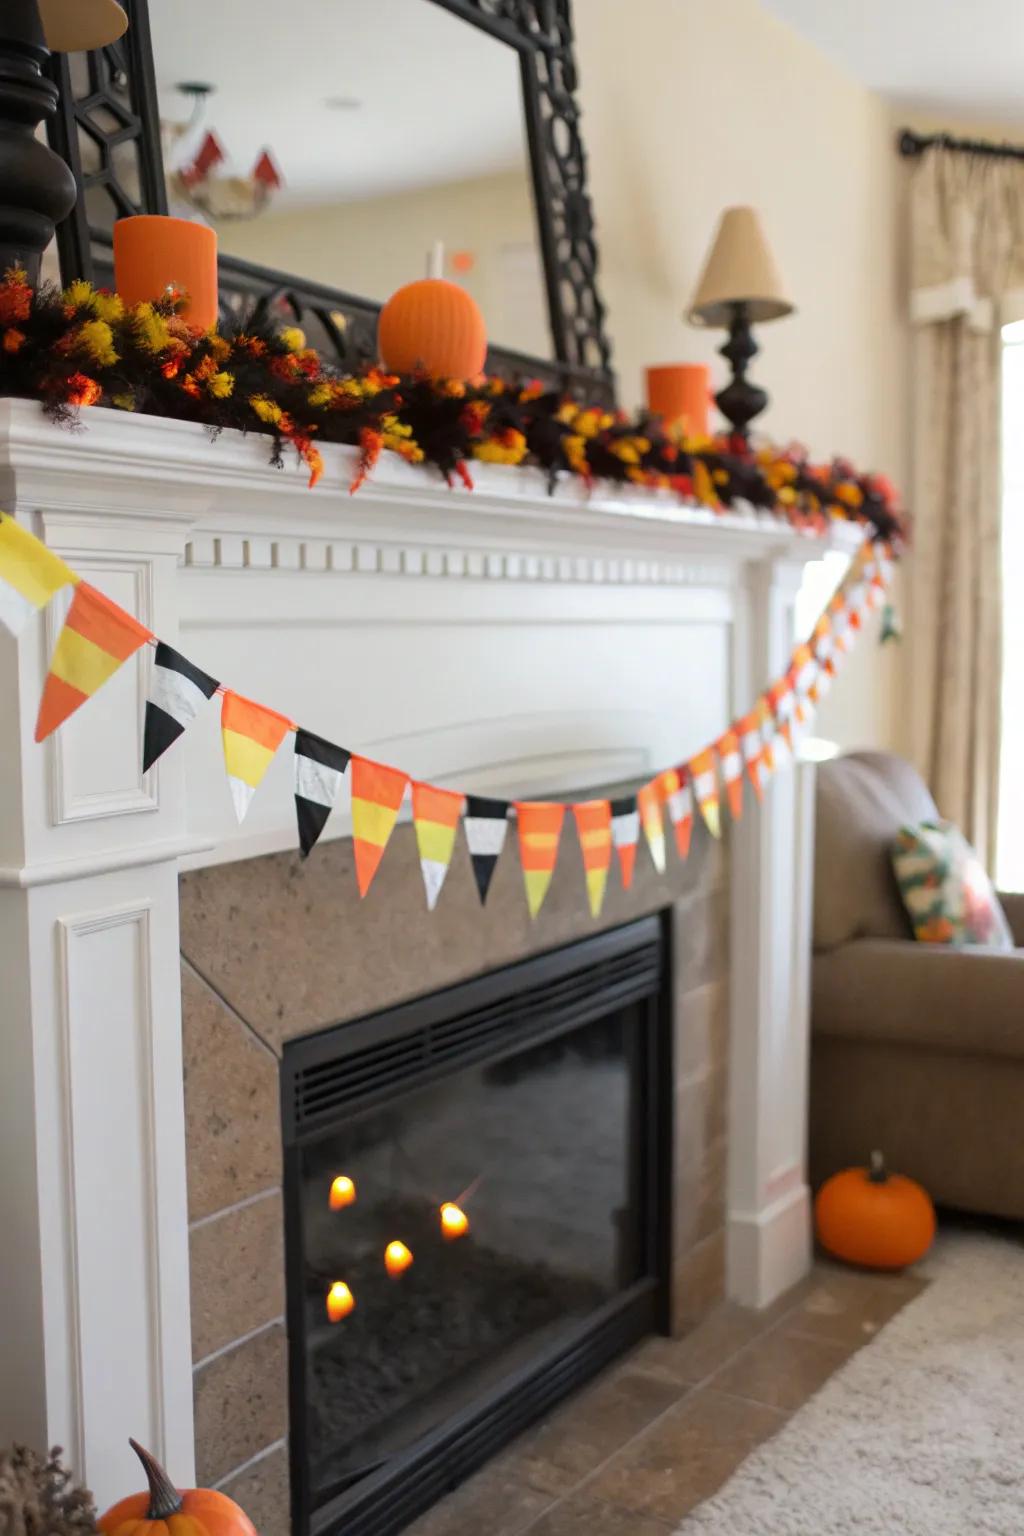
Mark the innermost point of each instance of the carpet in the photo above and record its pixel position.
(920, 1433)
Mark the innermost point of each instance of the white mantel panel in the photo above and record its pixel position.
(505, 640)
(502, 686)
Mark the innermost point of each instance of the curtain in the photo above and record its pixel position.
(967, 281)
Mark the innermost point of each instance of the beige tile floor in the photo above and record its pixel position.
(667, 1425)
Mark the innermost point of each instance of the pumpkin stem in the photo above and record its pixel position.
(877, 1173)
(164, 1498)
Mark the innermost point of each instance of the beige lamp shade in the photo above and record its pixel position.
(73, 26)
(740, 269)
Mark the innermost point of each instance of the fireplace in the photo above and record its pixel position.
(529, 1102)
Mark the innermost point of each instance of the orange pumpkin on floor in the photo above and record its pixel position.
(870, 1217)
(163, 1511)
(435, 326)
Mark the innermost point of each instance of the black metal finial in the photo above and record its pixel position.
(37, 190)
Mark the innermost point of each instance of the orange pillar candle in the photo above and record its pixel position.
(680, 393)
(153, 253)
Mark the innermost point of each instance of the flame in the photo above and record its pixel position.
(397, 1257)
(343, 1192)
(340, 1301)
(454, 1221)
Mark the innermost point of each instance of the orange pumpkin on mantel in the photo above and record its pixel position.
(871, 1217)
(163, 1511)
(432, 326)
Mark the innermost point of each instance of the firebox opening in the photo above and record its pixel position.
(475, 1218)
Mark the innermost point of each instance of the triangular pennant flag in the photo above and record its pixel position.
(626, 835)
(648, 801)
(540, 827)
(674, 786)
(839, 614)
(319, 767)
(728, 748)
(594, 825)
(823, 644)
(752, 747)
(252, 734)
(486, 823)
(705, 785)
(780, 697)
(30, 574)
(802, 674)
(377, 794)
(97, 638)
(177, 692)
(435, 813)
(768, 733)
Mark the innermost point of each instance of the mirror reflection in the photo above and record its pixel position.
(398, 135)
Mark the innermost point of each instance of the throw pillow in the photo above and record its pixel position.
(948, 896)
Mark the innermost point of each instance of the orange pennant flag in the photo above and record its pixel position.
(435, 814)
(97, 638)
(648, 801)
(674, 788)
(251, 734)
(767, 723)
(626, 835)
(728, 748)
(752, 747)
(705, 784)
(802, 674)
(594, 825)
(540, 827)
(377, 794)
(780, 697)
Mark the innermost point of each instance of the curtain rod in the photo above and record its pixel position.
(911, 144)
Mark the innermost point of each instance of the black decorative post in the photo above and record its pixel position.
(740, 401)
(37, 189)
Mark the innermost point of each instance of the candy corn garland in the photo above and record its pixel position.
(98, 637)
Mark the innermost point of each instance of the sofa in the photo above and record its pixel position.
(916, 1049)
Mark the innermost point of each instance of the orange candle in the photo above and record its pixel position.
(340, 1302)
(397, 1258)
(680, 393)
(343, 1192)
(153, 253)
(454, 1221)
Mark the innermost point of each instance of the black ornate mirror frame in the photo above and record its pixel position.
(116, 106)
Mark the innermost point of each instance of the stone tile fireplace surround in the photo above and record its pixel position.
(508, 640)
(267, 955)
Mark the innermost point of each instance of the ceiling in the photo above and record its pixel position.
(434, 99)
(961, 58)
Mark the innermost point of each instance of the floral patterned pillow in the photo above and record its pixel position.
(948, 896)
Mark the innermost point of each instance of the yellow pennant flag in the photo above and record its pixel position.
(30, 574)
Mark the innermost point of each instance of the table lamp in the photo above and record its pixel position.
(740, 284)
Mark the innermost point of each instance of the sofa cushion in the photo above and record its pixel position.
(944, 888)
(863, 799)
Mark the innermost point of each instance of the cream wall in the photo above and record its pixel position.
(689, 108)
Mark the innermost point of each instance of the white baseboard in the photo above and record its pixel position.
(768, 1251)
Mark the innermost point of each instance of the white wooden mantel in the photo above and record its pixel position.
(502, 640)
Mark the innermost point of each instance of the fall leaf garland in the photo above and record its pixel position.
(83, 347)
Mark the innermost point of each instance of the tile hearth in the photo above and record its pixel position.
(663, 1429)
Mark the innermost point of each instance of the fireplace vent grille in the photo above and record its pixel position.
(405, 1047)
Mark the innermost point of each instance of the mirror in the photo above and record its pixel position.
(393, 128)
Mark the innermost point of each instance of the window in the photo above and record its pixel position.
(1010, 846)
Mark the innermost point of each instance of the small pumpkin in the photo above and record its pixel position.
(163, 1511)
(871, 1217)
(434, 326)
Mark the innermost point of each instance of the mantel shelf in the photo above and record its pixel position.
(118, 464)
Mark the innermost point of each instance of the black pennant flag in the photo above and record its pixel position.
(486, 823)
(319, 766)
(177, 692)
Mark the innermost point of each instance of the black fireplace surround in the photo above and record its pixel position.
(536, 1100)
